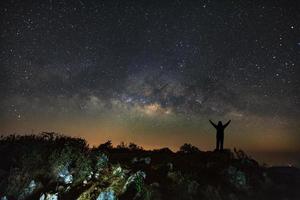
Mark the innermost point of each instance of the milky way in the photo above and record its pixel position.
(153, 72)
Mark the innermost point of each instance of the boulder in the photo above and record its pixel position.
(48, 196)
(137, 179)
(28, 190)
(107, 195)
(65, 175)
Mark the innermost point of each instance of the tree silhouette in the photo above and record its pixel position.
(188, 148)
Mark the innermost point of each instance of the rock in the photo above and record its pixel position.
(67, 189)
(4, 198)
(118, 171)
(28, 190)
(107, 195)
(97, 175)
(42, 197)
(90, 176)
(32, 186)
(49, 196)
(137, 178)
(65, 175)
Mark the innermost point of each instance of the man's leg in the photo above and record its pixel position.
(222, 142)
(218, 144)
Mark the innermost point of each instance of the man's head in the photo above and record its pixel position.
(220, 123)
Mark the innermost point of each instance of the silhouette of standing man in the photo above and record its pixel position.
(220, 133)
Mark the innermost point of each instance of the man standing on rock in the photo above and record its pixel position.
(220, 134)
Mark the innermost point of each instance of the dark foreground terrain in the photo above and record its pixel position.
(51, 166)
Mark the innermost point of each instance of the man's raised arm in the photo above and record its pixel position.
(213, 124)
(227, 124)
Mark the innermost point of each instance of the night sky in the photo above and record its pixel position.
(154, 72)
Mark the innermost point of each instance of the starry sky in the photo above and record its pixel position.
(154, 72)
